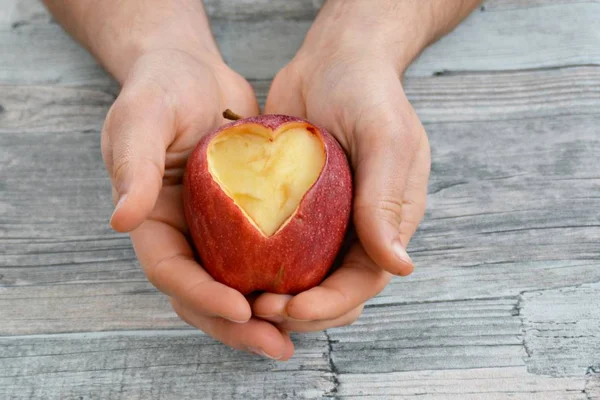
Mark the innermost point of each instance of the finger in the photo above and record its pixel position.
(315, 326)
(387, 139)
(285, 94)
(168, 208)
(138, 129)
(415, 194)
(356, 281)
(168, 262)
(256, 336)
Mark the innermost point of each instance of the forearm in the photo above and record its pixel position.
(118, 32)
(399, 29)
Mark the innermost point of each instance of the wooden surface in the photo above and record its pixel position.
(505, 301)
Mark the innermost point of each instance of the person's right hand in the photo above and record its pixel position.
(169, 100)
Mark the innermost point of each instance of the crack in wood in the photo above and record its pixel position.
(557, 94)
(405, 303)
(535, 228)
(559, 342)
(592, 383)
(332, 367)
(458, 72)
(516, 311)
(445, 186)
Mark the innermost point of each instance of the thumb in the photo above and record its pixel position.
(136, 133)
(285, 94)
(385, 153)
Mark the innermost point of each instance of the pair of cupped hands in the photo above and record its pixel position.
(172, 96)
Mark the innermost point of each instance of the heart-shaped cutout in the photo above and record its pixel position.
(266, 172)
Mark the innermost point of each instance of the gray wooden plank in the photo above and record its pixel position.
(22, 12)
(19, 12)
(430, 336)
(7, 11)
(259, 49)
(448, 98)
(29, 40)
(592, 387)
(511, 206)
(45, 54)
(48, 177)
(517, 38)
(84, 306)
(512, 213)
(498, 5)
(562, 330)
(513, 383)
(155, 365)
(505, 95)
(43, 109)
(509, 209)
(545, 343)
(263, 9)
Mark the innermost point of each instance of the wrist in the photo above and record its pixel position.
(132, 31)
(394, 31)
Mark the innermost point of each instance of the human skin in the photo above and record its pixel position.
(346, 77)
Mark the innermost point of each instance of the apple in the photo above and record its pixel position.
(267, 200)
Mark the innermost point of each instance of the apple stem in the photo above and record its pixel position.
(230, 115)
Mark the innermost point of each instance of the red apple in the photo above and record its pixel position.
(267, 200)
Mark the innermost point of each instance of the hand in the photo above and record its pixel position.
(175, 86)
(354, 91)
(168, 101)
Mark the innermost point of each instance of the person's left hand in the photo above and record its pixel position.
(356, 94)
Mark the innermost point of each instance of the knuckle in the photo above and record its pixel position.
(124, 161)
(355, 314)
(384, 208)
(105, 138)
(106, 151)
(382, 282)
(180, 311)
(393, 129)
(161, 272)
(194, 291)
(176, 306)
(403, 136)
(350, 318)
(137, 102)
(389, 205)
(119, 166)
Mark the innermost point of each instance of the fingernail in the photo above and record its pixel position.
(263, 354)
(237, 321)
(401, 252)
(299, 320)
(275, 318)
(120, 203)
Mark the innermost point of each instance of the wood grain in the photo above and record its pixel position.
(155, 365)
(430, 336)
(44, 110)
(509, 383)
(558, 34)
(84, 306)
(520, 95)
(592, 386)
(562, 330)
(495, 5)
(517, 38)
(510, 209)
(503, 303)
(488, 232)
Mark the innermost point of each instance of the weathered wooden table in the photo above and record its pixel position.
(504, 304)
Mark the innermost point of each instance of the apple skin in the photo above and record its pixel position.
(295, 258)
